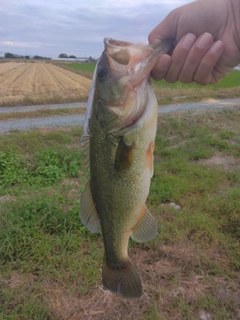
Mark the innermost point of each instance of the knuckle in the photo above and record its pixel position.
(170, 79)
(203, 80)
(157, 75)
(185, 78)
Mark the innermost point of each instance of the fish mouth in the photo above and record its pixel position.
(139, 58)
(131, 64)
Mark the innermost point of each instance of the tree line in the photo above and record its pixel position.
(15, 56)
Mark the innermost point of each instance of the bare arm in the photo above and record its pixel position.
(207, 41)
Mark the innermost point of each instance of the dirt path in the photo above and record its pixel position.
(74, 120)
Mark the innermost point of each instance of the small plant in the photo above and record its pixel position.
(13, 168)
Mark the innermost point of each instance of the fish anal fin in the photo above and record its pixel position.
(124, 156)
(146, 227)
(88, 213)
(122, 279)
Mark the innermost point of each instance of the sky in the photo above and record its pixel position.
(76, 27)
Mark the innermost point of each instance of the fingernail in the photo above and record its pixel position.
(217, 47)
(205, 41)
(188, 41)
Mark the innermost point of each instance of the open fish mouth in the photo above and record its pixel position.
(124, 71)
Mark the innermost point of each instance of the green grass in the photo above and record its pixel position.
(50, 265)
(179, 92)
(84, 69)
(230, 81)
(80, 66)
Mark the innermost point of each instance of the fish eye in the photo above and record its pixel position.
(101, 72)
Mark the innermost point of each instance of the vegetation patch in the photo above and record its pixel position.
(84, 69)
(50, 265)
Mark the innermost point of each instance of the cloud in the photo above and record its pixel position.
(48, 27)
(17, 44)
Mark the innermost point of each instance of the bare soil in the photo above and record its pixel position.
(39, 82)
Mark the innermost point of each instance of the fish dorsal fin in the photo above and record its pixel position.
(86, 134)
(90, 102)
(84, 146)
(88, 213)
(146, 227)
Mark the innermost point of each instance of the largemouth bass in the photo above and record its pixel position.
(119, 134)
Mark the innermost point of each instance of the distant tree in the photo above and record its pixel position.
(27, 57)
(9, 55)
(91, 59)
(37, 57)
(63, 55)
(72, 56)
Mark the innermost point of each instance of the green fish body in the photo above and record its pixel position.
(120, 129)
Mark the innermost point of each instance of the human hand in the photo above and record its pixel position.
(207, 42)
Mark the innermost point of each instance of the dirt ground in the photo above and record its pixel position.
(39, 82)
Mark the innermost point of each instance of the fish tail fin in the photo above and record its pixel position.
(123, 280)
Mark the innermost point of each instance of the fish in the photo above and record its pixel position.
(118, 141)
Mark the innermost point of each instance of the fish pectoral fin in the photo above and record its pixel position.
(124, 156)
(146, 227)
(88, 212)
(122, 279)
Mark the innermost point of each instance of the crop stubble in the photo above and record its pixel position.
(39, 82)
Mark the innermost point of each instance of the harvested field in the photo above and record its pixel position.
(34, 83)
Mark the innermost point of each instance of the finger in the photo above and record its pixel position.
(205, 73)
(161, 67)
(195, 56)
(179, 57)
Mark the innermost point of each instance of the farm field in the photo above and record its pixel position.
(50, 265)
(40, 83)
(24, 83)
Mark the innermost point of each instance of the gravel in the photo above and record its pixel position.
(78, 119)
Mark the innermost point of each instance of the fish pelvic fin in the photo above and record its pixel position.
(88, 212)
(123, 280)
(146, 227)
